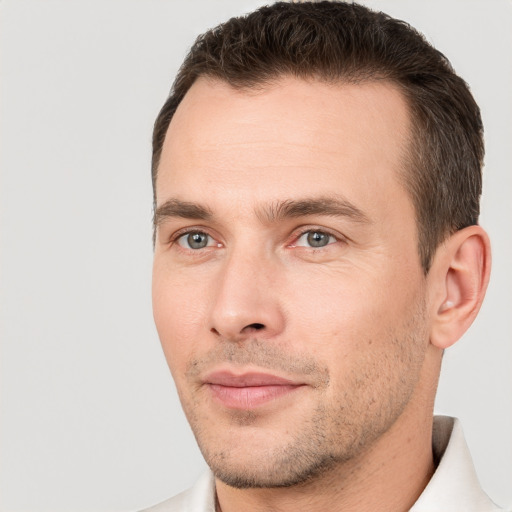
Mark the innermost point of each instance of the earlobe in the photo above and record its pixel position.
(461, 270)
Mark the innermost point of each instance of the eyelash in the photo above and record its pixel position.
(174, 240)
(310, 229)
(296, 237)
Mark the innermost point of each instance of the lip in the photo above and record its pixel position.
(248, 390)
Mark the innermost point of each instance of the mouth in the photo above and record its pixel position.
(248, 390)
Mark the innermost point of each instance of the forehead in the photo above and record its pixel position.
(292, 135)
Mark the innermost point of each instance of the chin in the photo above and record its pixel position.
(260, 458)
(288, 472)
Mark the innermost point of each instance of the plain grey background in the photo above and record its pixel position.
(89, 416)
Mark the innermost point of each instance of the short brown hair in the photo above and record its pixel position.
(349, 43)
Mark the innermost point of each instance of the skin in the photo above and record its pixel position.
(353, 324)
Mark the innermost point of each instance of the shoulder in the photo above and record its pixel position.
(199, 498)
(174, 504)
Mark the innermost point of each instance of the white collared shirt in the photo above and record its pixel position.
(454, 487)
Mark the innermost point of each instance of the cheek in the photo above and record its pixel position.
(178, 312)
(335, 305)
(342, 316)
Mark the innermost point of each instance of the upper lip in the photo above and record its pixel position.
(249, 379)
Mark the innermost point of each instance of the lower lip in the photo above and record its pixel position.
(249, 397)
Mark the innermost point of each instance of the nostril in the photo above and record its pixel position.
(258, 327)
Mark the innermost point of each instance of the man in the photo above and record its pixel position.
(317, 174)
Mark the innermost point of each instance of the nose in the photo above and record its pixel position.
(247, 302)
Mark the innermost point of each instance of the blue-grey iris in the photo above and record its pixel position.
(318, 239)
(197, 240)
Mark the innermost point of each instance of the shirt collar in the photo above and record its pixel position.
(454, 485)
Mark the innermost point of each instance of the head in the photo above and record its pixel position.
(317, 176)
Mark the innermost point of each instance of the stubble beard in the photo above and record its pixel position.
(303, 459)
(375, 395)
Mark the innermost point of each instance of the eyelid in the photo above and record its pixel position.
(183, 240)
(320, 229)
(176, 235)
(296, 235)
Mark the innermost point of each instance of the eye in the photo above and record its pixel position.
(315, 238)
(195, 240)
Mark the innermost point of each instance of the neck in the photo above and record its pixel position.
(389, 476)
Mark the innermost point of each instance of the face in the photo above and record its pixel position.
(287, 289)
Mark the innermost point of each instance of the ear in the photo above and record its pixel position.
(460, 274)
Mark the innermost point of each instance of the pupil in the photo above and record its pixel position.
(317, 239)
(197, 240)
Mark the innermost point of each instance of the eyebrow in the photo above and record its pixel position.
(330, 206)
(274, 212)
(183, 209)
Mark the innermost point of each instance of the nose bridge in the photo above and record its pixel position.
(246, 298)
